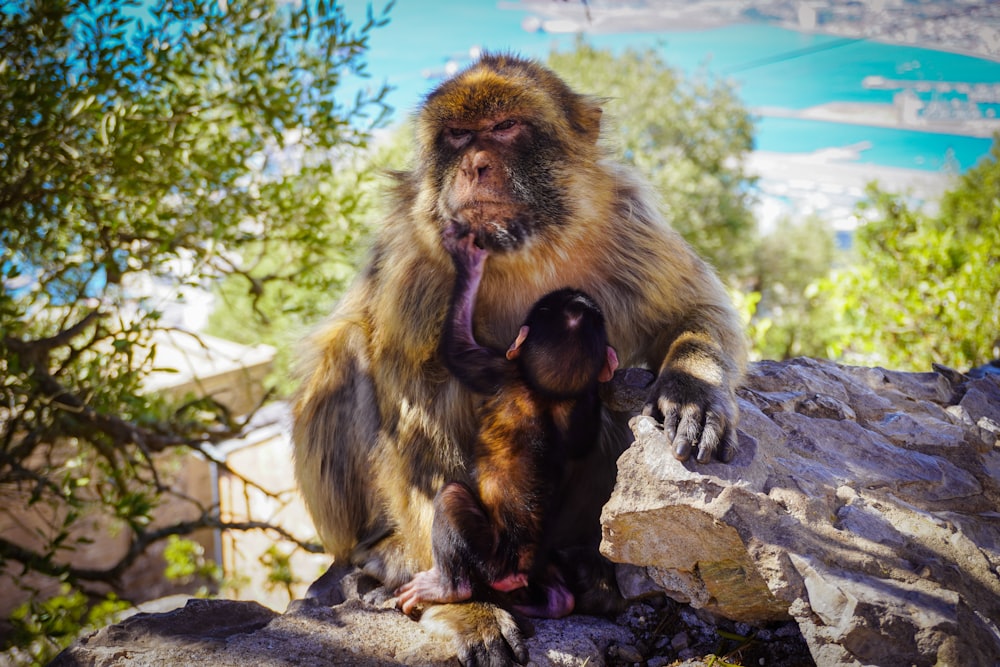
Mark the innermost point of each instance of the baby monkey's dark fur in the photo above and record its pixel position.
(541, 408)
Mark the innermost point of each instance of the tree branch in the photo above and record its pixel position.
(46, 565)
(35, 350)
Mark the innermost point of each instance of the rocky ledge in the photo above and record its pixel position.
(861, 514)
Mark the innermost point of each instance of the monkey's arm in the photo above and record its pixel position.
(687, 332)
(480, 368)
(694, 393)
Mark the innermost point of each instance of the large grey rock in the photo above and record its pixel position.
(237, 633)
(863, 503)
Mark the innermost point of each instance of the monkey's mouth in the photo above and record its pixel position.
(497, 226)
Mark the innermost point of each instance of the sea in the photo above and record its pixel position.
(769, 66)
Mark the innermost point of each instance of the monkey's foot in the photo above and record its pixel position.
(428, 587)
(326, 590)
(483, 633)
(559, 602)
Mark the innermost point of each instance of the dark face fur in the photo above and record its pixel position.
(497, 141)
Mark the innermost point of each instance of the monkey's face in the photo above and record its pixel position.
(499, 142)
(496, 180)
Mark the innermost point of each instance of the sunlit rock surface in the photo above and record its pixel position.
(861, 512)
(863, 503)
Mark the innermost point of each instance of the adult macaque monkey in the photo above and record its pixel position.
(508, 150)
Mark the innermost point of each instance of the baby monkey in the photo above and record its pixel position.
(541, 409)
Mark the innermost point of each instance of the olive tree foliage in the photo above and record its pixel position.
(920, 285)
(782, 302)
(687, 136)
(280, 313)
(923, 288)
(149, 143)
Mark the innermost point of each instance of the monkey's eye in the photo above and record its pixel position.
(504, 125)
(458, 137)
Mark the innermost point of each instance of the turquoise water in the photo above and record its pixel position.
(770, 67)
(889, 147)
(776, 67)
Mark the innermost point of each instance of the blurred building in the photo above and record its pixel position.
(249, 479)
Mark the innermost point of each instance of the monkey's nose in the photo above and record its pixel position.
(480, 164)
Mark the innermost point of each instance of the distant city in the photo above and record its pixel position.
(970, 27)
(967, 27)
(961, 26)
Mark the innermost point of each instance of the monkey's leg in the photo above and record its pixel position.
(550, 598)
(336, 425)
(464, 542)
(694, 394)
(464, 538)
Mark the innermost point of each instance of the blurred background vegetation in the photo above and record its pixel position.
(206, 145)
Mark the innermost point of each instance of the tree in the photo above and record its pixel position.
(789, 261)
(139, 143)
(688, 137)
(924, 288)
(927, 288)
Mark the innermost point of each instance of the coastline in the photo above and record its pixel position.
(841, 166)
(946, 46)
(881, 115)
(975, 34)
(829, 183)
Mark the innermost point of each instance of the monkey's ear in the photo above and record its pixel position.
(610, 365)
(586, 118)
(514, 351)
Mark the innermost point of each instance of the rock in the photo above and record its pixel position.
(225, 632)
(861, 513)
(863, 503)
(310, 634)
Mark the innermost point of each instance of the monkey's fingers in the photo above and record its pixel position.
(475, 254)
(689, 431)
(696, 416)
(728, 445)
(711, 435)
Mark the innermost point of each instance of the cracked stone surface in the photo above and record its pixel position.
(862, 512)
(863, 503)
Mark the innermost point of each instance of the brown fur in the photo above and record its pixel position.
(379, 423)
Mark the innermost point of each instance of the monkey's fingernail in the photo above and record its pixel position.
(682, 450)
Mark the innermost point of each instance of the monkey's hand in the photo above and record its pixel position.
(483, 633)
(460, 243)
(696, 414)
